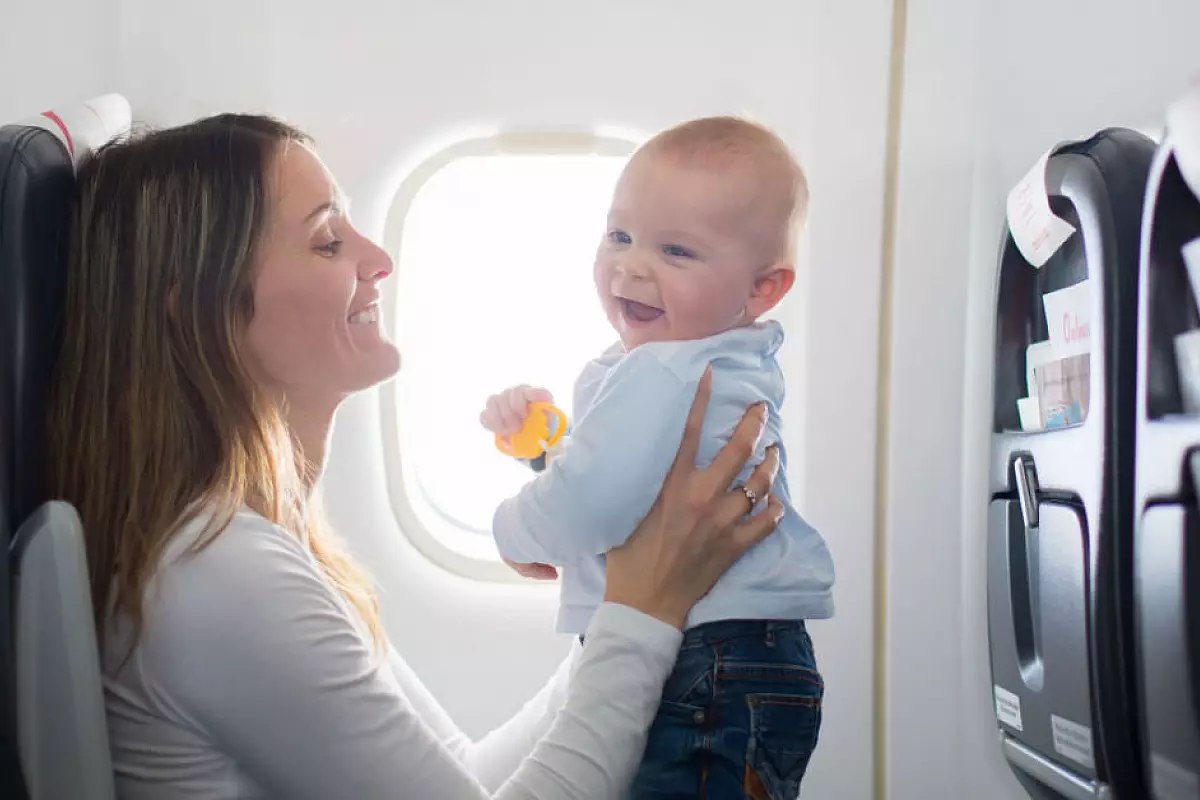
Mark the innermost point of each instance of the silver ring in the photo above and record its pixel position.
(750, 495)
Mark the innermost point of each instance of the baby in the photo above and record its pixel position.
(700, 243)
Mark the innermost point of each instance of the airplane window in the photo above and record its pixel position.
(493, 287)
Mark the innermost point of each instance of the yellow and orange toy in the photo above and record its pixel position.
(543, 429)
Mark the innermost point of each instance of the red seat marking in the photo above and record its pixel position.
(50, 115)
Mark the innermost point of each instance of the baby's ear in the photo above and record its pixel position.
(770, 286)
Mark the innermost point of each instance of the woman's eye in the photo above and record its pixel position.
(675, 251)
(619, 237)
(331, 248)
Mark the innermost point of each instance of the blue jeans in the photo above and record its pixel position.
(740, 716)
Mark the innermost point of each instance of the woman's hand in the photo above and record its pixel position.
(695, 530)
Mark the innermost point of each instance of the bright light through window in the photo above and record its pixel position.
(494, 288)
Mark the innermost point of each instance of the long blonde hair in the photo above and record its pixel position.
(154, 418)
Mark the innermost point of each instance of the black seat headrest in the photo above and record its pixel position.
(38, 161)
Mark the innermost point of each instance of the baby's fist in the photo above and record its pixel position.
(506, 411)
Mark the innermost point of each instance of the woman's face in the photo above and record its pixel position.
(316, 332)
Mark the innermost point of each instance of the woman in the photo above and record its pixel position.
(220, 307)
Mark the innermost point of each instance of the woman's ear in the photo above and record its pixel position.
(770, 286)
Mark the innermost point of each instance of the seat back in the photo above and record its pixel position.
(1061, 481)
(60, 702)
(38, 160)
(1166, 538)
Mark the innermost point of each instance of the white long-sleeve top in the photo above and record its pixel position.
(254, 678)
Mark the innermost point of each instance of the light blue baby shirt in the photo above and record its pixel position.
(630, 410)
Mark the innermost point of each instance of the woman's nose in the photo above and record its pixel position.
(375, 265)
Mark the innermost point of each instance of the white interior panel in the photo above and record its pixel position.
(987, 88)
(55, 53)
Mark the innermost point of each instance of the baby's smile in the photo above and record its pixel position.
(635, 313)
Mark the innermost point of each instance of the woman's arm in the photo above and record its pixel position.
(250, 646)
(595, 742)
(247, 645)
(495, 757)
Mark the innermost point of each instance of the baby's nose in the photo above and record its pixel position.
(633, 266)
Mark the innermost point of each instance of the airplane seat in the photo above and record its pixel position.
(51, 702)
(62, 731)
(1059, 527)
(1166, 555)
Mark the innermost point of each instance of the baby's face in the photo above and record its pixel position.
(681, 252)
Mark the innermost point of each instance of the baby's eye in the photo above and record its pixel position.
(619, 237)
(675, 251)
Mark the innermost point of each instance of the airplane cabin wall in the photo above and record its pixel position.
(48, 61)
(987, 87)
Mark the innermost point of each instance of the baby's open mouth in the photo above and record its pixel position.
(634, 311)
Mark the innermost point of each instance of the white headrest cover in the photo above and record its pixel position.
(84, 127)
(1183, 129)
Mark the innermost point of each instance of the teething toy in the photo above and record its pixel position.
(541, 430)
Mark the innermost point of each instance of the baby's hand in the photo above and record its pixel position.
(505, 412)
(536, 570)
